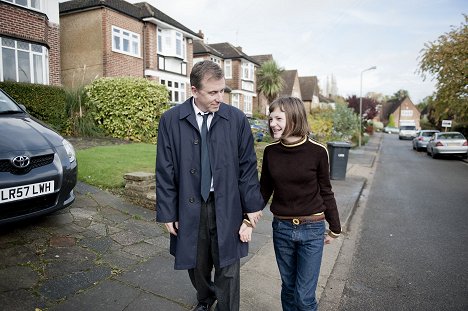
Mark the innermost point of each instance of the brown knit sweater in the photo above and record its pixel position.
(298, 176)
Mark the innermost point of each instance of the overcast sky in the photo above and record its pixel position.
(325, 37)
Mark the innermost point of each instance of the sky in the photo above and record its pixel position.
(330, 37)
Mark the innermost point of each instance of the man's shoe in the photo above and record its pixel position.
(203, 306)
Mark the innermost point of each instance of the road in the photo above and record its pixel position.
(410, 251)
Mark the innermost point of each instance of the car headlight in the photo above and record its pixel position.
(70, 150)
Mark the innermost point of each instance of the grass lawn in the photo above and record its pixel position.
(105, 166)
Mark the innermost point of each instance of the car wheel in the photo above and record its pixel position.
(465, 156)
(434, 156)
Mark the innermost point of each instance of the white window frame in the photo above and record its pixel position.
(33, 53)
(247, 71)
(235, 100)
(228, 69)
(406, 113)
(124, 34)
(248, 104)
(30, 4)
(172, 43)
(177, 91)
(216, 60)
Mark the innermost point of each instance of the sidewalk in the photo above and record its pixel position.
(103, 253)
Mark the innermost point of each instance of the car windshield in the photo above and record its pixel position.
(407, 127)
(7, 105)
(427, 134)
(451, 136)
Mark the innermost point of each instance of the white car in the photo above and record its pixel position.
(407, 132)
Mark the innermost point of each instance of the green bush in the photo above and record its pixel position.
(339, 124)
(81, 119)
(127, 107)
(44, 102)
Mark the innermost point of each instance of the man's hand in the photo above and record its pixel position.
(172, 227)
(245, 233)
(254, 217)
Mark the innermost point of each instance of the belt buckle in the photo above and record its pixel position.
(296, 221)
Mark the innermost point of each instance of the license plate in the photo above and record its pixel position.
(453, 144)
(26, 191)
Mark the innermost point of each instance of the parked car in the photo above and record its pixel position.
(421, 139)
(391, 130)
(38, 168)
(447, 143)
(407, 132)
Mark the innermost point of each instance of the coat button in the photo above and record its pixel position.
(192, 171)
(191, 200)
(195, 142)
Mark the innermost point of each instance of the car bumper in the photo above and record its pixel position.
(64, 178)
(462, 150)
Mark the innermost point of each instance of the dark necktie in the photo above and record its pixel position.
(205, 161)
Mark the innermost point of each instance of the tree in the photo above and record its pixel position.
(399, 95)
(446, 60)
(369, 105)
(269, 81)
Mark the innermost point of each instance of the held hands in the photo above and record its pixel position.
(254, 217)
(245, 231)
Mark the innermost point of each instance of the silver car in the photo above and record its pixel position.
(447, 143)
(421, 139)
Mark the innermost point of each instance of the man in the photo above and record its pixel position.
(205, 219)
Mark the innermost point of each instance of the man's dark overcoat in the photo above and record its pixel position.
(235, 179)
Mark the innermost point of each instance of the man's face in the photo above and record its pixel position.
(209, 97)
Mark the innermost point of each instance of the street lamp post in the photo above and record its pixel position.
(360, 104)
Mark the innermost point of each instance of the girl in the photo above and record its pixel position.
(296, 171)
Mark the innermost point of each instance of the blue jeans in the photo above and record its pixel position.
(298, 250)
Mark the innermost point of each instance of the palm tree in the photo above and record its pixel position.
(269, 81)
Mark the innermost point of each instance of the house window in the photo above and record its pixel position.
(32, 4)
(215, 60)
(407, 113)
(247, 104)
(23, 62)
(235, 100)
(176, 90)
(171, 43)
(126, 42)
(228, 69)
(247, 71)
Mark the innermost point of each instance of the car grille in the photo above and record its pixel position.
(28, 206)
(6, 166)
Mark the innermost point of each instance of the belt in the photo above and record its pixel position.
(297, 220)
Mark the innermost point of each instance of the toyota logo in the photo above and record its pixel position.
(20, 161)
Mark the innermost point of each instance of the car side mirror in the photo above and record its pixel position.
(22, 107)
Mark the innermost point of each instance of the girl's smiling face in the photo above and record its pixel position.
(277, 122)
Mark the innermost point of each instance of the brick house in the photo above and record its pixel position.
(203, 52)
(403, 111)
(30, 41)
(309, 92)
(110, 38)
(239, 71)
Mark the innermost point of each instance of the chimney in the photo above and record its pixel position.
(201, 34)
